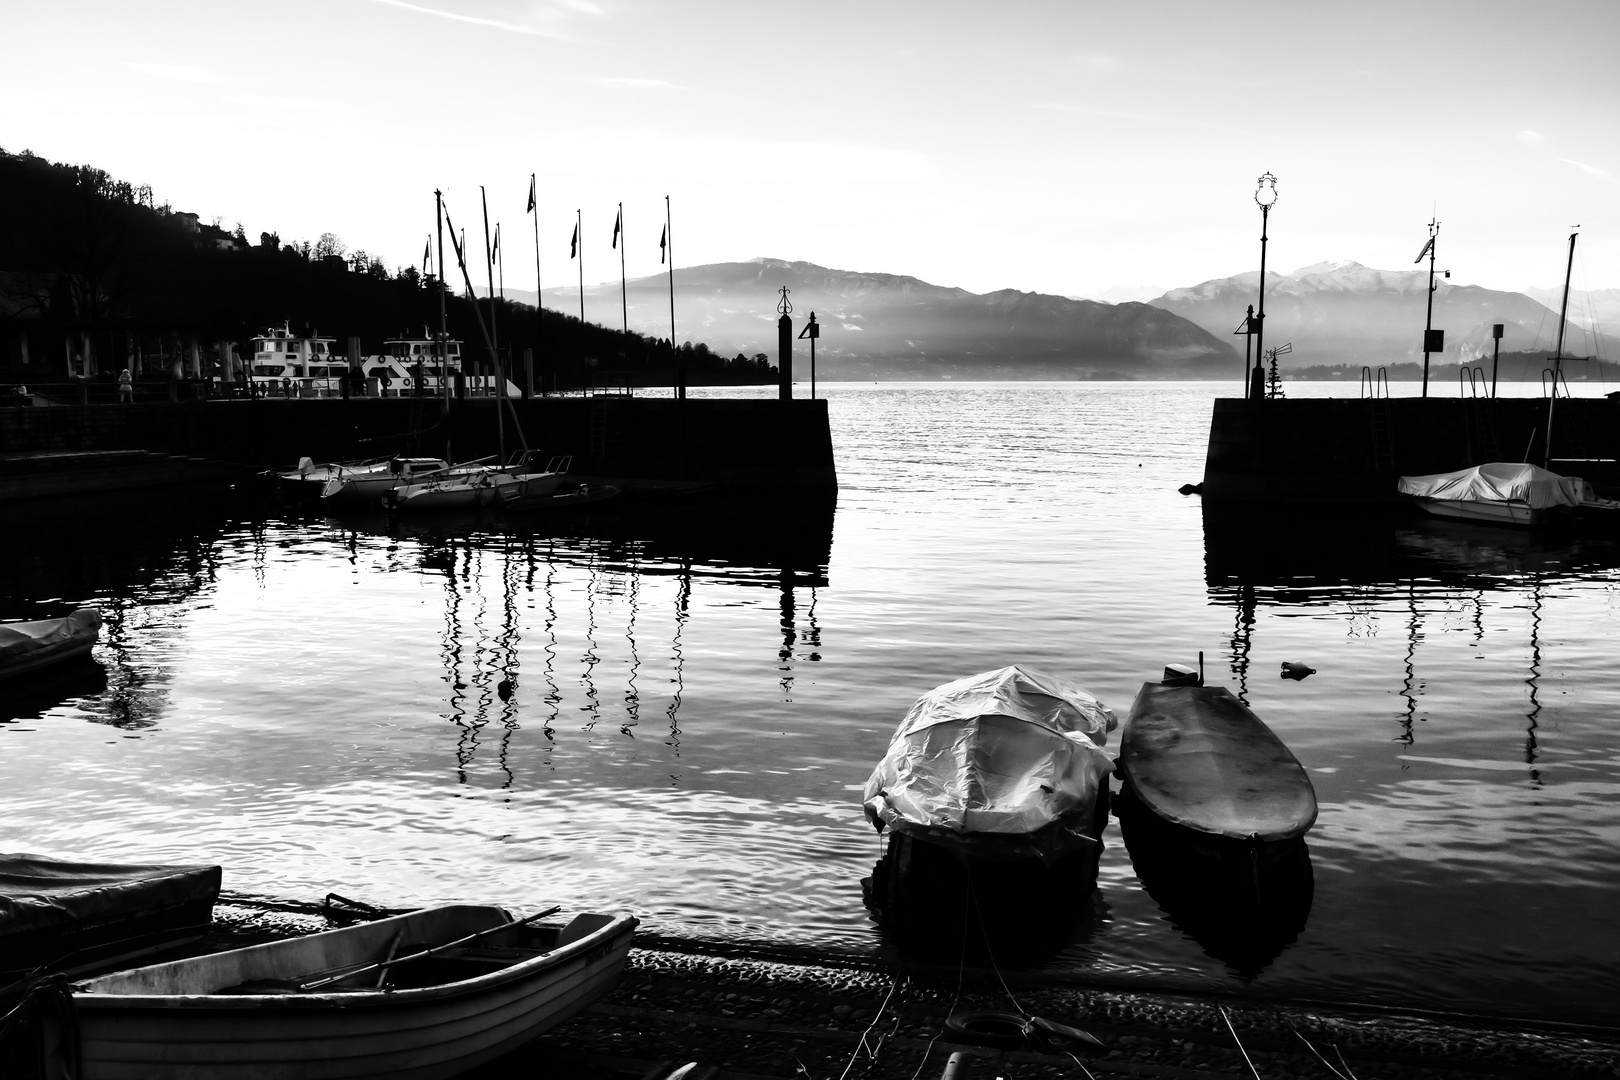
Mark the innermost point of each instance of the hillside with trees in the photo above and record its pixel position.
(98, 274)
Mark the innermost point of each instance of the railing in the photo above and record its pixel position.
(1557, 379)
(1372, 383)
(1471, 382)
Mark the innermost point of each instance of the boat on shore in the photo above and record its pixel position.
(70, 915)
(423, 995)
(994, 791)
(1199, 759)
(1499, 493)
(27, 647)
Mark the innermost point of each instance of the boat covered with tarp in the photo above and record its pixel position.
(70, 914)
(26, 647)
(1507, 492)
(1007, 764)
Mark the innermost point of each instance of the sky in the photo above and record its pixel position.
(1057, 147)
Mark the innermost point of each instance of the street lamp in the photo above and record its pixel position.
(1265, 195)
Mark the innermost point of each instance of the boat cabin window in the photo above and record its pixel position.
(269, 369)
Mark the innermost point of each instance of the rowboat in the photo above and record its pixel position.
(425, 995)
(1500, 493)
(1198, 758)
(26, 647)
(994, 790)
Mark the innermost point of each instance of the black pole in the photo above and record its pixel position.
(624, 289)
(1248, 340)
(1558, 356)
(1496, 354)
(539, 292)
(1260, 319)
(1428, 319)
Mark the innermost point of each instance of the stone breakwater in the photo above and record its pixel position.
(751, 1018)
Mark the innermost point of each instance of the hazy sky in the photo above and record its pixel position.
(1055, 147)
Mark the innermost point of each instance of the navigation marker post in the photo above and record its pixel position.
(1433, 340)
(812, 330)
(784, 347)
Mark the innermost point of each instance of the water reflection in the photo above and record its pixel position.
(593, 642)
(1366, 567)
(1244, 904)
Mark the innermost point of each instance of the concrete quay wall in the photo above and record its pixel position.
(1354, 450)
(755, 447)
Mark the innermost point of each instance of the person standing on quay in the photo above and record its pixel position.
(126, 387)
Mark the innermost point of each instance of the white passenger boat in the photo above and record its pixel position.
(289, 364)
(426, 995)
(1501, 493)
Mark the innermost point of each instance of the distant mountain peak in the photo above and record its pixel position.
(1331, 266)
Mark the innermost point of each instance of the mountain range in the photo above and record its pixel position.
(888, 326)
(1346, 313)
(894, 327)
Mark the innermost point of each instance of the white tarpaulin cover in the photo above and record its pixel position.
(1500, 481)
(1008, 762)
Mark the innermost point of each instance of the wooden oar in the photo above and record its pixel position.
(318, 983)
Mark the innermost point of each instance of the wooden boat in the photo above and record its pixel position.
(1197, 757)
(26, 647)
(354, 1002)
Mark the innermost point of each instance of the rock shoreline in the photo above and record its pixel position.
(741, 1017)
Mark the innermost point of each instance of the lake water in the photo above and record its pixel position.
(674, 713)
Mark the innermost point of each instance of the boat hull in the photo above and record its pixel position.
(1511, 512)
(420, 1034)
(27, 647)
(1198, 758)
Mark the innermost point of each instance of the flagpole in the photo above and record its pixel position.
(669, 237)
(624, 289)
(489, 268)
(494, 345)
(579, 231)
(539, 315)
(442, 346)
(500, 262)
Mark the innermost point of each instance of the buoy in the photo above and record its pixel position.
(1291, 670)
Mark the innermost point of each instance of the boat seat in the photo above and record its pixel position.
(583, 925)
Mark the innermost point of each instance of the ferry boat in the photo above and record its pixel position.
(295, 365)
(406, 359)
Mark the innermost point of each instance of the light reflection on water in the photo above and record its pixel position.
(673, 712)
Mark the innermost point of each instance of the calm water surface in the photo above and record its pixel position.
(674, 714)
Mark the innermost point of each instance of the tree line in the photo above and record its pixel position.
(104, 259)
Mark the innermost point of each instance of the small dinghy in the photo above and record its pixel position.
(1198, 758)
(26, 647)
(425, 995)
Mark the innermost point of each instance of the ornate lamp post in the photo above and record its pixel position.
(1265, 195)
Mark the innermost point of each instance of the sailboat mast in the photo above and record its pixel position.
(1558, 354)
(442, 346)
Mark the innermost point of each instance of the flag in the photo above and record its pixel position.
(1425, 250)
(663, 241)
(530, 210)
(573, 242)
(495, 250)
(427, 256)
(618, 226)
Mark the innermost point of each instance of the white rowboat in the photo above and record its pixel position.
(246, 1015)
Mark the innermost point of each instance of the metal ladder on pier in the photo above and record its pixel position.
(1375, 390)
(1480, 427)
